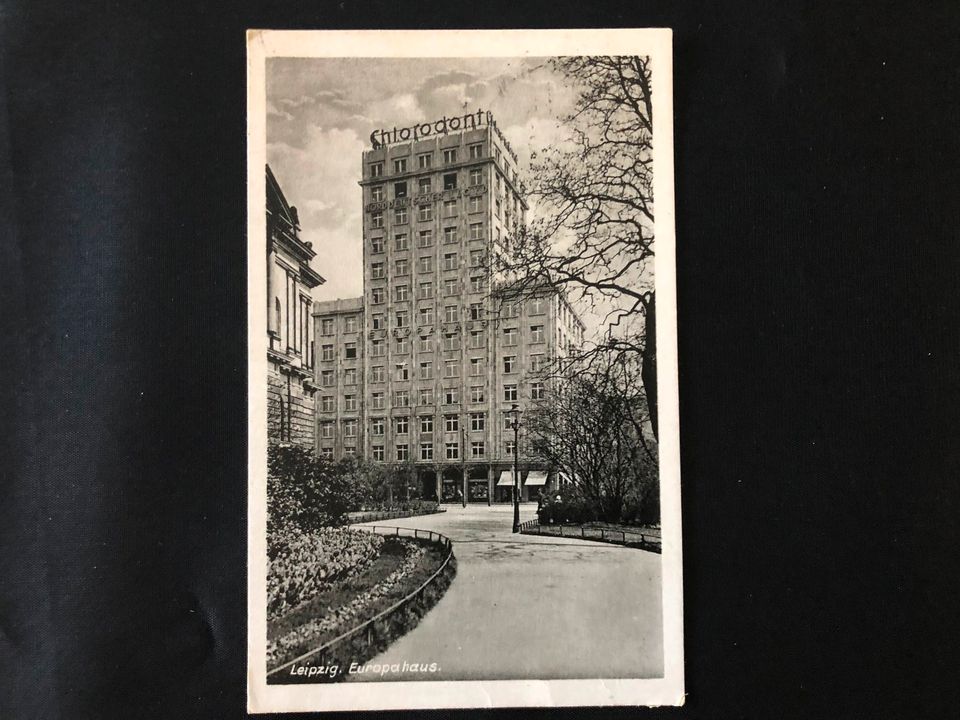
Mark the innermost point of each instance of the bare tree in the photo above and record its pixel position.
(593, 428)
(594, 194)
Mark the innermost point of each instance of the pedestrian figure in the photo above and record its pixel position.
(539, 501)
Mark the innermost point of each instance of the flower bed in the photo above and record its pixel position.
(306, 563)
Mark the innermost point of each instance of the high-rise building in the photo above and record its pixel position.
(291, 412)
(437, 355)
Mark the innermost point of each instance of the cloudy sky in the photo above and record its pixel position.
(321, 111)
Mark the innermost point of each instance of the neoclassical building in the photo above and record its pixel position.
(291, 402)
(428, 363)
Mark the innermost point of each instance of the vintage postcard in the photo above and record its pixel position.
(464, 468)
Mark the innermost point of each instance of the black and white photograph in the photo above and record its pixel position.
(463, 408)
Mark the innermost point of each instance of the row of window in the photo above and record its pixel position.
(450, 396)
(425, 185)
(402, 451)
(401, 266)
(425, 214)
(451, 286)
(351, 324)
(451, 366)
(425, 160)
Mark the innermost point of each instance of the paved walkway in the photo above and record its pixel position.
(523, 606)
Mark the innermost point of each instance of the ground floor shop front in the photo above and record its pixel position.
(482, 483)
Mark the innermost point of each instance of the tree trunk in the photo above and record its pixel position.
(648, 371)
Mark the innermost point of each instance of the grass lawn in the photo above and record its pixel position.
(342, 592)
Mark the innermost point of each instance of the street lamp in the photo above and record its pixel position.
(515, 412)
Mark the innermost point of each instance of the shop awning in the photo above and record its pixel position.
(536, 477)
(506, 478)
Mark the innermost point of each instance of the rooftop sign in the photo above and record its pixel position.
(470, 121)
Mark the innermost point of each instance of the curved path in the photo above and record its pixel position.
(523, 606)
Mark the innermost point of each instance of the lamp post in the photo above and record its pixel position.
(515, 411)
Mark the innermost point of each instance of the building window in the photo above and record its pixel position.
(426, 290)
(400, 241)
(403, 318)
(477, 394)
(451, 286)
(510, 363)
(510, 392)
(403, 346)
(402, 266)
(350, 376)
(377, 296)
(426, 423)
(536, 391)
(326, 452)
(378, 321)
(376, 271)
(326, 352)
(451, 368)
(449, 208)
(350, 402)
(402, 292)
(378, 454)
(350, 351)
(400, 190)
(536, 306)
(451, 396)
(377, 401)
(426, 264)
(376, 169)
(426, 316)
(425, 161)
(496, 206)
(426, 451)
(474, 204)
(402, 372)
(350, 324)
(377, 347)
(536, 333)
(449, 235)
(537, 362)
(450, 155)
(476, 231)
(453, 451)
(450, 261)
(476, 338)
(376, 426)
(476, 367)
(451, 313)
(376, 245)
(400, 216)
(326, 326)
(403, 452)
(400, 165)
(478, 421)
(450, 181)
(326, 378)
(326, 403)
(401, 398)
(326, 429)
(349, 428)
(425, 345)
(476, 151)
(451, 341)
(476, 258)
(476, 449)
(376, 193)
(402, 425)
(426, 239)
(478, 283)
(425, 213)
(509, 336)
(376, 220)
(426, 370)
(509, 447)
(377, 374)
(476, 176)
(425, 396)
(451, 423)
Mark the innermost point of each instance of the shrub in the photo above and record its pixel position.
(570, 508)
(306, 563)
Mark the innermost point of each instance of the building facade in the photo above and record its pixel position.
(291, 406)
(436, 355)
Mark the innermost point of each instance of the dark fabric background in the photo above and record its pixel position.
(817, 215)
